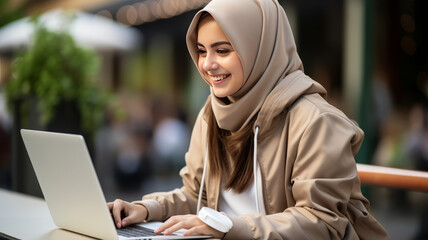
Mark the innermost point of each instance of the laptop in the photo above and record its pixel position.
(72, 191)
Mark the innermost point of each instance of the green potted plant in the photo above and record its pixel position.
(55, 78)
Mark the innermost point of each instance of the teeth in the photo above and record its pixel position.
(219, 77)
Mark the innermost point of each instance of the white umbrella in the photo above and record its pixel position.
(88, 30)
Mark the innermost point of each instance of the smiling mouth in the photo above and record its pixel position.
(218, 78)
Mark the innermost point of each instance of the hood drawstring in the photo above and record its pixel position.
(201, 188)
(255, 170)
(255, 165)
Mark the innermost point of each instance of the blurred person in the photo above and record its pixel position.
(171, 136)
(390, 152)
(133, 163)
(170, 143)
(267, 150)
(417, 138)
(123, 143)
(417, 149)
(390, 149)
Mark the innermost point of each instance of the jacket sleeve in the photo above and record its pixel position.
(162, 205)
(322, 179)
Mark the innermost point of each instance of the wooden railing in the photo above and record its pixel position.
(393, 177)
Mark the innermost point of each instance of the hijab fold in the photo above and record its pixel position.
(260, 33)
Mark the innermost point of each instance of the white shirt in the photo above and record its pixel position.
(235, 204)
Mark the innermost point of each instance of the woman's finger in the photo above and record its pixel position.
(133, 214)
(178, 222)
(110, 205)
(198, 230)
(167, 224)
(117, 209)
(179, 225)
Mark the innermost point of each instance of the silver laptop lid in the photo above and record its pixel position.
(69, 183)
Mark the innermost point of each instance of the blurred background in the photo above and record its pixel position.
(145, 92)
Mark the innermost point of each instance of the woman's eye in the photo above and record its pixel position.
(201, 51)
(223, 51)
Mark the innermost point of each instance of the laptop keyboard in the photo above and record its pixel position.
(136, 231)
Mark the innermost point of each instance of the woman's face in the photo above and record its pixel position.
(218, 62)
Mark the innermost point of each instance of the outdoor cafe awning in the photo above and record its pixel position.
(88, 30)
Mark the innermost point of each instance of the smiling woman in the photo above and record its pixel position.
(267, 150)
(218, 62)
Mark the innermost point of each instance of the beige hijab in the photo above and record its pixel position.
(260, 33)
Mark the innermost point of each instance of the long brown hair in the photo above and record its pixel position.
(230, 154)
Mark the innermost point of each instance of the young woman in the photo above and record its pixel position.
(267, 150)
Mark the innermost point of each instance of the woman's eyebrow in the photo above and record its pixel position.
(216, 44)
(220, 43)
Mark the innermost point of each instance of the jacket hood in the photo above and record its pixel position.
(285, 93)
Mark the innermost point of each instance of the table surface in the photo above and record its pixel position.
(26, 217)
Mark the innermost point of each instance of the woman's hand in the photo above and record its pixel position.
(192, 223)
(131, 213)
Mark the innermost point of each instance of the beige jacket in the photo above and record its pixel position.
(306, 150)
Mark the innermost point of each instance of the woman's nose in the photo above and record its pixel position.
(210, 63)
